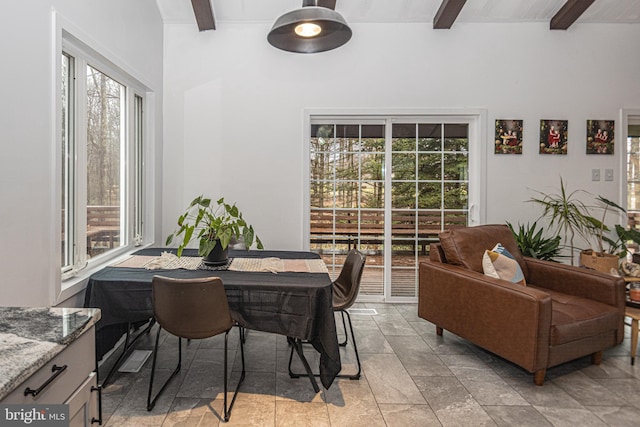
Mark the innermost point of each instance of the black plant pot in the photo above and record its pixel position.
(217, 256)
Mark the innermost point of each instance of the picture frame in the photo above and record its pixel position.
(600, 136)
(508, 136)
(554, 136)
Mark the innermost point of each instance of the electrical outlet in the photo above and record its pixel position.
(595, 174)
(608, 174)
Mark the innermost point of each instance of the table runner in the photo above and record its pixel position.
(166, 261)
(169, 261)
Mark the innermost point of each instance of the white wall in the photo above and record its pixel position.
(233, 111)
(132, 32)
(234, 106)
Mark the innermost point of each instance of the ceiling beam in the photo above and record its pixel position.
(447, 14)
(568, 14)
(204, 14)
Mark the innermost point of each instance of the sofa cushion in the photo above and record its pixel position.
(465, 246)
(501, 265)
(574, 318)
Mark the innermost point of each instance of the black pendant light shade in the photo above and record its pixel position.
(310, 29)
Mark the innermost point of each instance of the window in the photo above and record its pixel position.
(387, 186)
(633, 173)
(102, 134)
(633, 166)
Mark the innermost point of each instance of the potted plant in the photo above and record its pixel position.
(533, 244)
(601, 259)
(567, 215)
(618, 246)
(214, 225)
(573, 218)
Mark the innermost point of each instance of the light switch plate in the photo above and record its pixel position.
(595, 174)
(608, 174)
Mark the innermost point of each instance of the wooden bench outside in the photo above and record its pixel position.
(103, 228)
(407, 227)
(633, 220)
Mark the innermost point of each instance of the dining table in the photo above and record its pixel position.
(282, 292)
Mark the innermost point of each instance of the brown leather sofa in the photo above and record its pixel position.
(563, 313)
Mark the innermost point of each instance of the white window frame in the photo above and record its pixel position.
(136, 168)
(627, 116)
(477, 120)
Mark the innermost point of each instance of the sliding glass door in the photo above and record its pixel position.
(386, 186)
(429, 193)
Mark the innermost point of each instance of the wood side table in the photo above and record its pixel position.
(634, 314)
(632, 310)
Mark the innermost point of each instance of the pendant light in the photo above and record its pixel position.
(310, 29)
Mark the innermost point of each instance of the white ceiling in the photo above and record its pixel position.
(362, 11)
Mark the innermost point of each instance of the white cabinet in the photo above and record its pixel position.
(83, 403)
(72, 381)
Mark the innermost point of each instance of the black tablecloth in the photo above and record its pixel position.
(297, 305)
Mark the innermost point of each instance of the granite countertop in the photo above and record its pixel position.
(31, 336)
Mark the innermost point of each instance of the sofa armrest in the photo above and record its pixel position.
(576, 281)
(510, 320)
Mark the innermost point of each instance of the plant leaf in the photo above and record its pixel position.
(187, 234)
(610, 203)
(248, 236)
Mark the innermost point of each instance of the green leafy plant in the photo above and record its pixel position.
(533, 244)
(572, 218)
(209, 222)
(567, 215)
(623, 236)
(600, 230)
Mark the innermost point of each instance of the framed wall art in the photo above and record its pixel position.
(600, 136)
(508, 137)
(553, 136)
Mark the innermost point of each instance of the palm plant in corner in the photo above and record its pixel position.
(567, 216)
(214, 226)
(572, 218)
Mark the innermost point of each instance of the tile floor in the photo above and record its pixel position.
(411, 377)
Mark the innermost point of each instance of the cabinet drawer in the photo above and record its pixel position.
(80, 359)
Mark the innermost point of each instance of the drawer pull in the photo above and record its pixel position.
(57, 370)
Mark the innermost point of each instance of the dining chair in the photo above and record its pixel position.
(193, 309)
(345, 292)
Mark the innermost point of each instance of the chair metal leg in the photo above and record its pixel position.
(355, 347)
(151, 403)
(295, 346)
(291, 373)
(227, 410)
(344, 328)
